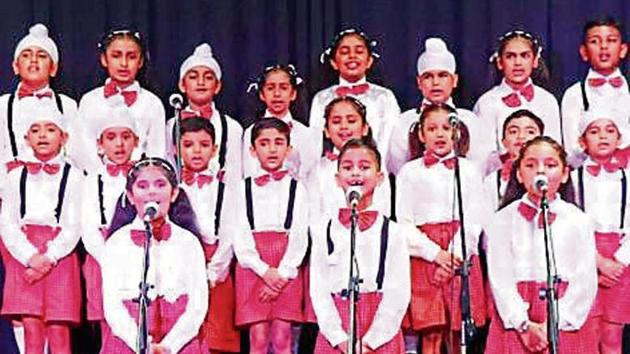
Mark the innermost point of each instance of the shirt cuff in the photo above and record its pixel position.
(623, 255)
(287, 272)
(26, 256)
(431, 252)
(337, 338)
(260, 268)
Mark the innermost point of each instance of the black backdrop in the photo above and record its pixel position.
(246, 35)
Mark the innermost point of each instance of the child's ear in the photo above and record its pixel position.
(582, 142)
(182, 86)
(53, 70)
(499, 64)
(174, 194)
(338, 179)
(584, 53)
(536, 62)
(519, 178)
(219, 87)
(28, 142)
(252, 151)
(16, 70)
(455, 80)
(370, 62)
(64, 138)
(326, 134)
(623, 51)
(380, 177)
(213, 153)
(333, 64)
(141, 62)
(421, 134)
(104, 60)
(365, 130)
(565, 174)
(419, 82)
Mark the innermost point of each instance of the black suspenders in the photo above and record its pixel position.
(101, 204)
(218, 207)
(380, 274)
(624, 193)
(60, 194)
(288, 221)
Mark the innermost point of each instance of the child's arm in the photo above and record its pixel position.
(12, 236)
(234, 171)
(396, 291)
(196, 288)
(323, 305)
(70, 221)
(243, 241)
(156, 134)
(219, 266)
(298, 237)
(83, 146)
(391, 115)
(92, 238)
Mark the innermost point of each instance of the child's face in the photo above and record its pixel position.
(152, 186)
(601, 138)
(437, 85)
(117, 144)
(197, 149)
(200, 85)
(352, 58)
(271, 149)
(517, 132)
(542, 159)
(603, 49)
(343, 124)
(358, 167)
(122, 59)
(46, 139)
(517, 61)
(437, 133)
(277, 93)
(34, 67)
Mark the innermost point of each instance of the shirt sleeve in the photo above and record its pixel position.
(390, 118)
(156, 144)
(244, 243)
(571, 115)
(188, 324)
(233, 154)
(323, 304)
(398, 151)
(396, 294)
(298, 237)
(13, 237)
(84, 145)
(218, 268)
(70, 221)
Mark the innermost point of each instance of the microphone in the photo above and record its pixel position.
(176, 101)
(453, 120)
(541, 183)
(150, 210)
(353, 195)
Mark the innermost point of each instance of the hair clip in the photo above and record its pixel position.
(253, 86)
(370, 43)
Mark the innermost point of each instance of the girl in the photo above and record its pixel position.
(124, 57)
(40, 229)
(277, 89)
(345, 119)
(517, 59)
(36, 63)
(601, 184)
(518, 128)
(271, 243)
(200, 81)
(352, 55)
(517, 265)
(435, 308)
(212, 198)
(179, 293)
(116, 139)
(381, 256)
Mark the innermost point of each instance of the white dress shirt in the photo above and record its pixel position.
(176, 269)
(516, 253)
(329, 275)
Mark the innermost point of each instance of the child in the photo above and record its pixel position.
(518, 59)
(36, 63)
(123, 56)
(517, 265)
(40, 229)
(200, 81)
(436, 80)
(518, 128)
(601, 185)
(381, 257)
(435, 308)
(278, 89)
(603, 48)
(352, 55)
(271, 243)
(211, 198)
(116, 139)
(179, 292)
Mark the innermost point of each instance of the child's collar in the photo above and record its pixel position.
(506, 89)
(134, 86)
(59, 158)
(594, 74)
(287, 118)
(344, 82)
(39, 90)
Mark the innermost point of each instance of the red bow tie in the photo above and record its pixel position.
(35, 167)
(615, 82)
(352, 90)
(24, 91)
(506, 169)
(331, 156)
(430, 159)
(276, 176)
(203, 112)
(12, 165)
(189, 177)
(111, 89)
(161, 232)
(365, 219)
(611, 166)
(115, 170)
(529, 212)
(513, 100)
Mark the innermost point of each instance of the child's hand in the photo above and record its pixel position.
(267, 294)
(363, 348)
(441, 276)
(343, 347)
(40, 263)
(610, 271)
(31, 275)
(274, 280)
(535, 338)
(448, 261)
(159, 349)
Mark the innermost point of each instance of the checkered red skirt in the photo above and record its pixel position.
(271, 246)
(439, 305)
(612, 303)
(55, 297)
(366, 309)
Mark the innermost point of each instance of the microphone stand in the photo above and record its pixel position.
(468, 329)
(352, 292)
(143, 297)
(178, 161)
(549, 292)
